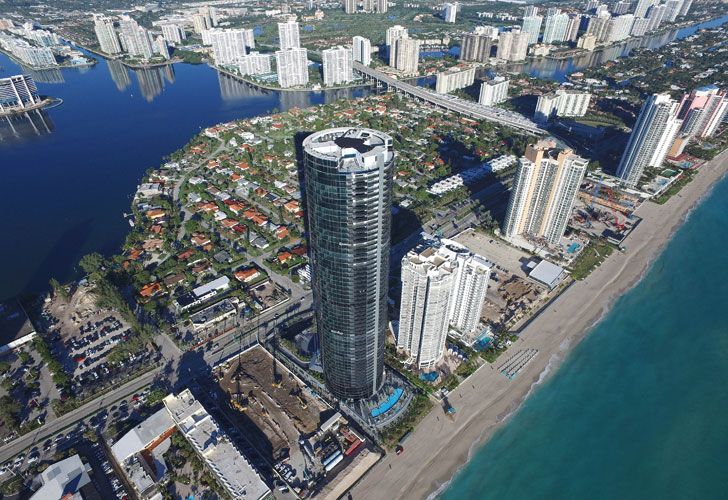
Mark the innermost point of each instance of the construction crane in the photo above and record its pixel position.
(618, 225)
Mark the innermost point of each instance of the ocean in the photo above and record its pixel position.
(638, 409)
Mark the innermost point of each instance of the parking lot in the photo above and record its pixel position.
(88, 349)
(85, 437)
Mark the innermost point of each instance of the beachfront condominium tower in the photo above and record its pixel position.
(532, 26)
(476, 47)
(443, 285)
(404, 55)
(337, 66)
(348, 184)
(512, 45)
(106, 35)
(292, 67)
(651, 138)
(424, 314)
(544, 189)
(362, 50)
(702, 110)
(288, 35)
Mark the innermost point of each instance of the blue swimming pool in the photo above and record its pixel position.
(388, 404)
(573, 248)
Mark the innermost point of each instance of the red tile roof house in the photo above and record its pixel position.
(284, 257)
(199, 239)
(150, 290)
(247, 275)
(282, 232)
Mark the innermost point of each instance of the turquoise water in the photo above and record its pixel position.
(638, 409)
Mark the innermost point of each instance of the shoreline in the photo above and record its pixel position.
(439, 447)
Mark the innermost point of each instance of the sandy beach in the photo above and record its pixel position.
(439, 445)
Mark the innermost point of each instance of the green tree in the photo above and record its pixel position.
(91, 263)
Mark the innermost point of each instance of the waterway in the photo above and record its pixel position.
(559, 69)
(67, 174)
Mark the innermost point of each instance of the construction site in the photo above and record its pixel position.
(308, 444)
(604, 210)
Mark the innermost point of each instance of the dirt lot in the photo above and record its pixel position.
(274, 416)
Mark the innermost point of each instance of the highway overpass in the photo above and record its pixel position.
(451, 103)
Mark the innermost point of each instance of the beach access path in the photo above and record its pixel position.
(439, 445)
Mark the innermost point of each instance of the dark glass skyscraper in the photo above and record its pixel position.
(349, 198)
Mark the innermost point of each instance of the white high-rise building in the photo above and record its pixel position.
(161, 47)
(18, 92)
(362, 50)
(404, 55)
(450, 12)
(494, 91)
(545, 186)
(350, 6)
(530, 10)
(621, 7)
(454, 78)
(254, 63)
(424, 315)
(337, 66)
(395, 33)
(655, 17)
(672, 10)
(443, 284)
(173, 33)
(651, 138)
(532, 26)
(642, 7)
(106, 35)
(599, 27)
(200, 24)
(289, 35)
(620, 28)
(512, 46)
(564, 103)
(476, 47)
(292, 66)
(639, 26)
(685, 7)
(554, 29)
(572, 28)
(469, 289)
(229, 45)
(137, 40)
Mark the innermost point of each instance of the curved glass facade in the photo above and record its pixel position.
(348, 179)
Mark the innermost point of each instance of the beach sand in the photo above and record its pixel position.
(440, 445)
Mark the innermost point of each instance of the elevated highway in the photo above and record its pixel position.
(451, 103)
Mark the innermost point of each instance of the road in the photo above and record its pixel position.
(51, 428)
(451, 103)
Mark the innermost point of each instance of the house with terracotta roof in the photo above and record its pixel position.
(284, 257)
(156, 213)
(150, 290)
(199, 239)
(185, 254)
(247, 275)
(152, 244)
(282, 232)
